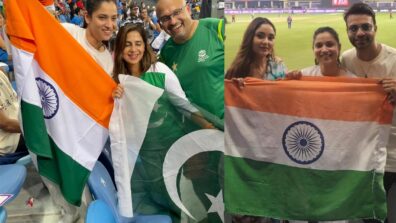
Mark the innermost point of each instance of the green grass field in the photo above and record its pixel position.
(294, 46)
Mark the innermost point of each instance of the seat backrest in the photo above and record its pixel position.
(102, 187)
(3, 215)
(99, 212)
(12, 177)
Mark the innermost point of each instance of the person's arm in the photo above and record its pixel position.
(151, 23)
(178, 98)
(2, 44)
(9, 125)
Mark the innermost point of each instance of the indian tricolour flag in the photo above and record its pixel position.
(65, 97)
(311, 149)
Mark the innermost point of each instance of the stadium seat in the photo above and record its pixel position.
(99, 212)
(3, 215)
(102, 188)
(105, 159)
(24, 160)
(12, 177)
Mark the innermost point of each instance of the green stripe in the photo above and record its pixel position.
(284, 192)
(58, 167)
(34, 131)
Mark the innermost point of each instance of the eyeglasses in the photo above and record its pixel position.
(167, 18)
(366, 27)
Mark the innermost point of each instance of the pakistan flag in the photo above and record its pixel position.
(164, 162)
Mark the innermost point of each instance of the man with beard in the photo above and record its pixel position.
(195, 53)
(371, 59)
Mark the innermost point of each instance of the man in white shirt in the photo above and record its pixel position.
(371, 59)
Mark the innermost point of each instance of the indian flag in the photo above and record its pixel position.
(312, 149)
(65, 97)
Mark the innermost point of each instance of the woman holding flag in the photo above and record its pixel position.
(258, 40)
(100, 22)
(134, 56)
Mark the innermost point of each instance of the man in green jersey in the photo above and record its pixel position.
(195, 52)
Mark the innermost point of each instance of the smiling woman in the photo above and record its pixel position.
(100, 23)
(259, 41)
(326, 47)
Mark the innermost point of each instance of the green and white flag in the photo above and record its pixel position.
(160, 157)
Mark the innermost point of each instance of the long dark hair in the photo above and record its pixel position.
(120, 66)
(333, 33)
(244, 59)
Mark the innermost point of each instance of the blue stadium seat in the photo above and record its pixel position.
(102, 188)
(99, 212)
(3, 215)
(24, 160)
(12, 177)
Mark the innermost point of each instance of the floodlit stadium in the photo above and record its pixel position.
(294, 45)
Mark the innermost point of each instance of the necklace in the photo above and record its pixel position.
(97, 46)
(100, 44)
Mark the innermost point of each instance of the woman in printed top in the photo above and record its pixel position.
(256, 56)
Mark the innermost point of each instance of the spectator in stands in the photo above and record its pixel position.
(80, 5)
(256, 56)
(148, 24)
(134, 16)
(371, 59)
(124, 14)
(157, 29)
(61, 14)
(12, 144)
(78, 19)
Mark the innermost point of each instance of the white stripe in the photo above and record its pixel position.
(128, 127)
(73, 131)
(348, 145)
(23, 71)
